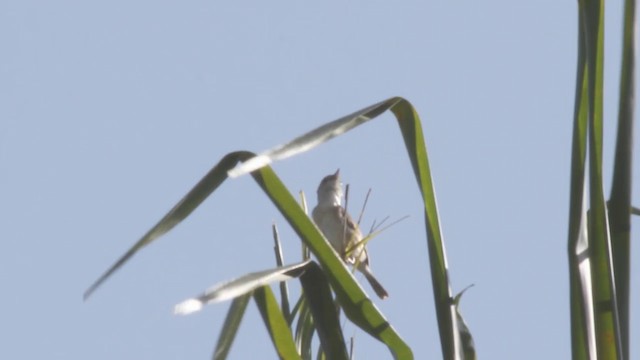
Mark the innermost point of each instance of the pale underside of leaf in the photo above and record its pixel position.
(312, 139)
(240, 286)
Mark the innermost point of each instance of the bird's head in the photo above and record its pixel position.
(330, 190)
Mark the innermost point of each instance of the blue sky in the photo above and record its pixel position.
(110, 112)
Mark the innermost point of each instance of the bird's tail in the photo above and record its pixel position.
(375, 284)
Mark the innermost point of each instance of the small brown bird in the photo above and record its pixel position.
(339, 228)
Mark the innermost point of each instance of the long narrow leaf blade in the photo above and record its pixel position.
(313, 138)
(620, 200)
(284, 290)
(179, 212)
(241, 286)
(325, 316)
(604, 294)
(582, 322)
(411, 129)
(276, 323)
(230, 327)
(304, 330)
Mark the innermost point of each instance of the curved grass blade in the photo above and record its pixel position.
(325, 316)
(276, 323)
(411, 129)
(313, 138)
(284, 290)
(608, 343)
(468, 347)
(620, 200)
(581, 301)
(179, 212)
(296, 309)
(304, 331)
(230, 327)
(241, 286)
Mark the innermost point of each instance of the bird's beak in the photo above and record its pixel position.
(337, 173)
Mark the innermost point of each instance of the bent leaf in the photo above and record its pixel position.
(240, 286)
(466, 339)
(313, 138)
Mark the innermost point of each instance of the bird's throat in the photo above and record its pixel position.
(329, 200)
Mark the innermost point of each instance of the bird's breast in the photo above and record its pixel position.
(332, 226)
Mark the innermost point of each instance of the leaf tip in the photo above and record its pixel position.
(187, 307)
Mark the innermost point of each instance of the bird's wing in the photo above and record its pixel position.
(352, 227)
